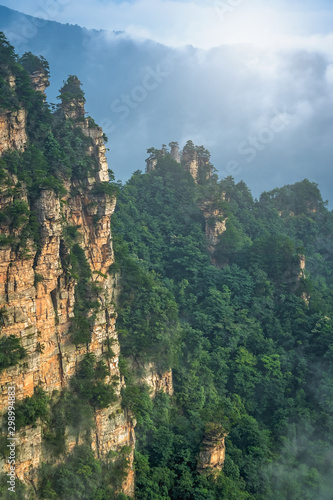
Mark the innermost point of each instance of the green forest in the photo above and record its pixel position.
(245, 325)
(249, 338)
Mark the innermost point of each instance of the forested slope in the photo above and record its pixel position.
(234, 295)
(245, 327)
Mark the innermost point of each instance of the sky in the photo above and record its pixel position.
(202, 23)
(257, 91)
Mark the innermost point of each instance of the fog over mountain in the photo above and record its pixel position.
(265, 115)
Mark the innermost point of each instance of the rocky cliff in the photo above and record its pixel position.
(212, 454)
(39, 293)
(12, 124)
(195, 159)
(147, 373)
(215, 224)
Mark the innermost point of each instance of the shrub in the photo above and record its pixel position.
(33, 64)
(15, 215)
(108, 188)
(83, 477)
(80, 330)
(88, 383)
(38, 279)
(11, 351)
(5, 494)
(31, 408)
(71, 90)
(70, 234)
(6, 240)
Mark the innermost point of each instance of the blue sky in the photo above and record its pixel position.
(201, 23)
(274, 63)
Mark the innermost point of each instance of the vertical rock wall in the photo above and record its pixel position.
(39, 312)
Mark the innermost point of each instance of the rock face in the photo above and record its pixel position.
(212, 454)
(302, 265)
(39, 311)
(215, 223)
(158, 381)
(191, 162)
(39, 81)
(151, 164)
(174, 151)
(12, 125)
(12, 130)
(193, 158)
(149, 374)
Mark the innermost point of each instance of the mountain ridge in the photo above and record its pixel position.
(213, 111)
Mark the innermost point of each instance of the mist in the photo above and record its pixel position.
(265, 114)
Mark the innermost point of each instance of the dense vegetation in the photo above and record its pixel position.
(249, 338)
(82, 476)
(30, 409)
(247, 333)
(11, 351)
(56, 148)
(56, 152)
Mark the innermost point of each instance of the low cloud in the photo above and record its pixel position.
(203, 24)
(221, 98)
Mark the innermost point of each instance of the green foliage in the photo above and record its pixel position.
(70, 148)
(89, 386)
(300, 198)
(7, 51)
(85, 307)
(8, 99)
(84, 477)
(24, 94)
(6, 240)
(30, 409)
(40, 177)
(252, 355)
(136, 398)
(33, 64)
(231, 241)
(15, 215)
(70, 235)
(20, 489)
(71, 90)
(92, 123)
(80, 477)
(8, 58)
(107, 188)
(147, 321)
(11, 351)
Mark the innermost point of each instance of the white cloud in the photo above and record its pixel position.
(202, 24)
(329, 74)
(220, 97)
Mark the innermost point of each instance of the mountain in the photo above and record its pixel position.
(59, 349)
(236, 296)
(168, 338)
(257, 111)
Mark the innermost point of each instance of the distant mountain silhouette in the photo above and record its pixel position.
(144, 93)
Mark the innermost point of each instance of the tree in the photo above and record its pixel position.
(33, 64)
(72, 91)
